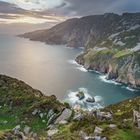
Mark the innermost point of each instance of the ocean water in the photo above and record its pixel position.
(52, 69)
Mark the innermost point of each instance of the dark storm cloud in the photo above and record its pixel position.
(9, 8)
(88, 7)
(77, 7)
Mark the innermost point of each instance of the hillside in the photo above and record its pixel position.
(78, 32)
(26, 114)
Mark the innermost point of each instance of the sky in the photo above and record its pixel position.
(36, 14)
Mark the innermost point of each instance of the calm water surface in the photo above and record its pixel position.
(51, 70)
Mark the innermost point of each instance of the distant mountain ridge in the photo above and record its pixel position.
(77, 32)
(111, 42)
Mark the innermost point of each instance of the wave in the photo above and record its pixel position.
(73, 62)
(73, 100)
(103, 78)
(129, 88)
(79, 67)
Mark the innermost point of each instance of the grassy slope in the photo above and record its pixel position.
(26, 99)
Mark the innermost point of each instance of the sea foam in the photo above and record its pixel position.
(79, 67)
(73, 100)
(103, 78)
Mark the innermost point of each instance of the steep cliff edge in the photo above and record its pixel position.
(26, 114)
(118, 56)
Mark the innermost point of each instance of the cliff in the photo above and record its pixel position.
(111, 42)
(26, 114)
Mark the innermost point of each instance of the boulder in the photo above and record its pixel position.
(26, 130)
(63, 122)
(78, 116)
(90, 100)
(97, 130)
(80, 95)
(65, 115)
(35, 112)
(113, 126)
(52, 132)
(41, 115)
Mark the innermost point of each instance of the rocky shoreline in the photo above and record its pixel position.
(110, 41)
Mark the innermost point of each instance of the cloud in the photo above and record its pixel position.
(55, 11)
(37, 5)
(11, 13)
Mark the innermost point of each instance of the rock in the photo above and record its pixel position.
(26, 130)
(17, 127)
(78, 117)
(98, 130)
(41, 115)
(35, 112)
(63, 122)
(50, 113)
(113, 126)
(104, 115)
(65, 115)
(52, 119)
(136, 118)
(52, 132)
(90, 100)
(97, 138)
(83, 134)
(103, 138)
(80, 95)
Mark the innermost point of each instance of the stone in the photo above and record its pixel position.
(136, 118)
(35, 112)
(65, 115)
(50, 113)
(97, 138)
(98, 130)
(52, 119)
(104, 115)
(63, 122)
(16, 129)
(113, 126)
(103, 138)
(52, 132)
(27, 130)
(41, 115)
(80, 95)
(90, 100)
(78, 117)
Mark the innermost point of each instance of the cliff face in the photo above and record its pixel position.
(117, 55)
(111, 41)
(78, 32)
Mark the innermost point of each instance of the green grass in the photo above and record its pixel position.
(124, 135)
(122, 53)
